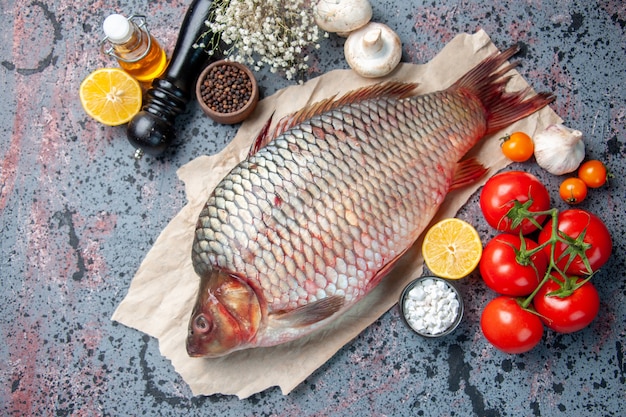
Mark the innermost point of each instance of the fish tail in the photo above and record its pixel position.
(487, 82)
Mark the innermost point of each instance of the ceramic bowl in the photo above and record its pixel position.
(421, 319)
(227, 91)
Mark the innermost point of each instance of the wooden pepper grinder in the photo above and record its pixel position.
(151, 131)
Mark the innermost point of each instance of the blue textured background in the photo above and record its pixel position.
(78, 214)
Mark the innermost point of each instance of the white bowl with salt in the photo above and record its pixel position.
(431, 306)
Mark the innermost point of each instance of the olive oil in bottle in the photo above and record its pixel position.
(135, 49)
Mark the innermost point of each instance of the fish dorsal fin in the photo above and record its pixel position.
(310, 313)
(262, 138)
(390, 89)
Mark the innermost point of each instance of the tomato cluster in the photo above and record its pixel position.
(540, 269)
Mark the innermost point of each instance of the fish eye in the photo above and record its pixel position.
(201, 324)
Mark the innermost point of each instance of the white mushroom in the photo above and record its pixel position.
(373, 51)
(342, 16)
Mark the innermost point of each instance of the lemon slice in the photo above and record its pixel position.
(452, 248)
(111, 96)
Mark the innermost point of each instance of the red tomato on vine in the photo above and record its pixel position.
(589, 236)
(506, 269)
(572, 311)
(509, 327)
(500, 194)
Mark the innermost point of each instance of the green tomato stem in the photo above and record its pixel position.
(553, 213)
(575, 247)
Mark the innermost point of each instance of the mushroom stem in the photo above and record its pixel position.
(373, 51)
(372, 41)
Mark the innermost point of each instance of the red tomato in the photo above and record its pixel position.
(510, 328)
(517, 146)
(593, 173)
(499, 193)
(507, 270)
(567, 314)
(573, 223)
(573, 190)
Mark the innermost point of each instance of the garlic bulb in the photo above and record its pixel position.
(559, 149)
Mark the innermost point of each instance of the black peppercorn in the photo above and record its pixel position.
(226, 89)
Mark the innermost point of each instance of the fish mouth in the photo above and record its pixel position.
(192, 348)
(193, 344)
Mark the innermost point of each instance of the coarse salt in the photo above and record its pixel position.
(431, 306)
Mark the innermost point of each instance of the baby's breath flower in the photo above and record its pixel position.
(276, 33)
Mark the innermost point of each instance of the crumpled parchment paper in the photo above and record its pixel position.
(162, 293)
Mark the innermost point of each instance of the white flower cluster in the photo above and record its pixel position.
(277, 33)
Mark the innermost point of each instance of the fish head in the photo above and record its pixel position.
(225, 318)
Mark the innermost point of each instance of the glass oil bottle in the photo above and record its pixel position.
(131, 44)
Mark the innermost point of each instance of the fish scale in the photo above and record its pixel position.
(379, 169)
(309, 223)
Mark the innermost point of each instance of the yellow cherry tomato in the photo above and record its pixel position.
(593, 173)
(573, 190)
(517, 146)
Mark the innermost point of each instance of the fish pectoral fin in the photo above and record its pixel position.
(310, 313)
(467, 172)
(384, 271)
